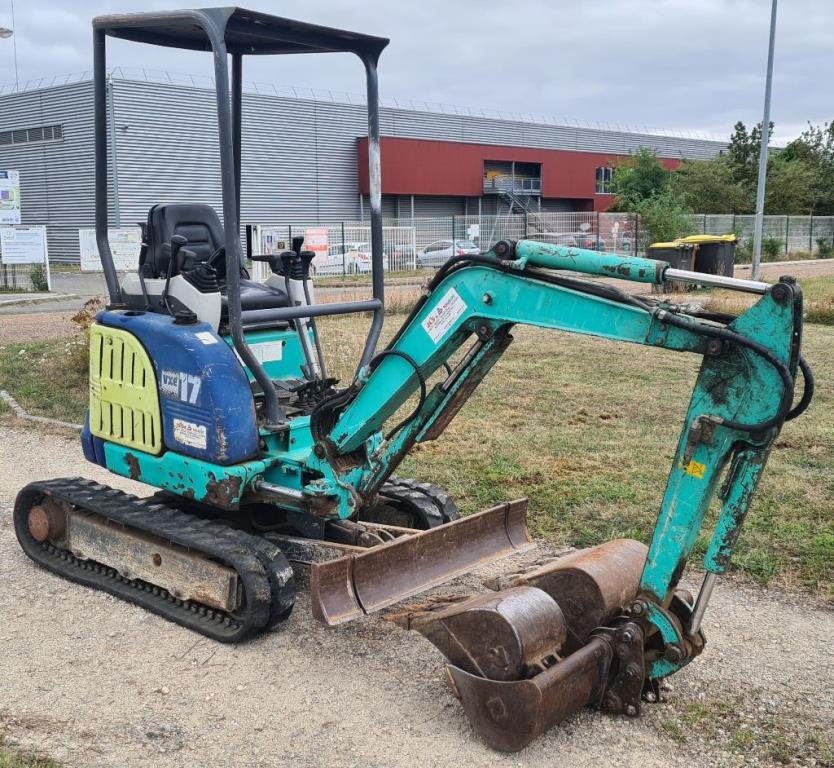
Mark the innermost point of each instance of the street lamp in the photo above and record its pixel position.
(5, 34)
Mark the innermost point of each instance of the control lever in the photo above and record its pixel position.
(177, 242)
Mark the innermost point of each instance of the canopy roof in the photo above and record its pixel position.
(245, 32)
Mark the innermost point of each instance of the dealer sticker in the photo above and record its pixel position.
(444, 315)
(188, 433)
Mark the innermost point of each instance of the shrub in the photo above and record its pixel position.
(772, 248)
(38, 278)
(825, 249)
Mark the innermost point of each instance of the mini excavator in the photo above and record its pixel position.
(212, 388)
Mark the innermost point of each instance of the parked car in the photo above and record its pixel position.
(586, 240)
(440, 251)
(350, 258)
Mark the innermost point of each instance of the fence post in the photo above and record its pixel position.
(526, 230)
(811, 236)
(636, 232)
(704, 225)
(344, 255)
(597, 230)
(734, 223)
(787, 232)
(453, 234)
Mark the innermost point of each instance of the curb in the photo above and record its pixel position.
(785, 263)
(21, 414)
(38, 299)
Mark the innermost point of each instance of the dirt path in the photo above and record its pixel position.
(95, 682)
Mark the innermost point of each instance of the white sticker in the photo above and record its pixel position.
(206, 337)
(443, 316)
(268, 351)
(265, 351)
(187, 433)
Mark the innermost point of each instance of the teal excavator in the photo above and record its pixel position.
(212, 389)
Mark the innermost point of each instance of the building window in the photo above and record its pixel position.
(32, 135)
(605, 176)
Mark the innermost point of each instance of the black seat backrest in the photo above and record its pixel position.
(197, 222)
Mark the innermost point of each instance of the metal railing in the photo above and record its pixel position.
(518, 185)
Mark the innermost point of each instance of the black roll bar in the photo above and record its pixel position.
(236, 31)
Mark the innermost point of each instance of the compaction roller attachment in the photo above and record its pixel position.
(525, 657)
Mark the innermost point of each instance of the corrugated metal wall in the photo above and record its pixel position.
(299, 155)
(56, 177)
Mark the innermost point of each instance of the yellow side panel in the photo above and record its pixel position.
(124, 401)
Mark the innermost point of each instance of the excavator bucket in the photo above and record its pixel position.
(543, 646)
(356, 584)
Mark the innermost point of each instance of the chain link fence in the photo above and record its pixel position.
(343, 248)
(405, 240)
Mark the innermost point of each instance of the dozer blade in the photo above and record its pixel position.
(523, 658)
(349, 587)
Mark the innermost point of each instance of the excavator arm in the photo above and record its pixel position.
(742, 396)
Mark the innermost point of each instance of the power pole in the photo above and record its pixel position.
(760, 188)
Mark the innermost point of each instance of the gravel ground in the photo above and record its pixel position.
(89, 680)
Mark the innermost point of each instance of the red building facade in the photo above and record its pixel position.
(427, 168)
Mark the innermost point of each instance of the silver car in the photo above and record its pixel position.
(440, 251)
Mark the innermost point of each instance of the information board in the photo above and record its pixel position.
(9, 197)
(124, 245)
(23, 245)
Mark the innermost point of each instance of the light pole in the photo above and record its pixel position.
(5, 34)
(760, 189)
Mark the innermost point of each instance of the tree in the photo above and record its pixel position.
(665, 217)
(790, 187)
(815, 148)
(708, 186)
(636, 178)
(743, 153)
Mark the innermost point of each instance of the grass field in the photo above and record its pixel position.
(584, 427)
(13, 758)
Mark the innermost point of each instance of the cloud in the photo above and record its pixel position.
(679, 64)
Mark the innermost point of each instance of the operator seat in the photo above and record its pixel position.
(201, 227)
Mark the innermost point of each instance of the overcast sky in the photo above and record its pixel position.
(688, 65)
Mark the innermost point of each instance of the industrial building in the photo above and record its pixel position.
(304, 158)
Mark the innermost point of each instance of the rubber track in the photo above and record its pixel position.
(429, 501)
(265, 573)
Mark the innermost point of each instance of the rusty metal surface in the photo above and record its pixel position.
(509, 715)
(136, 555)
(352, 586)
(503, 636)
(592, 585)
(625, 683)
(47, 520)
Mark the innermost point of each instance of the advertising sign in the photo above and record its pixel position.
(315, 239)
(9, 197)
(124, 245)
(23, 245)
